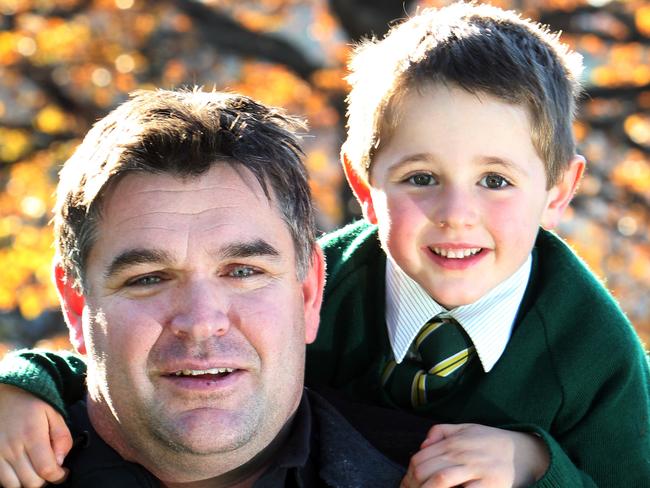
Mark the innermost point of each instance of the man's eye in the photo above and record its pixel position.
(494, 182)
(243, 272)
(421, 179)
(147, 280)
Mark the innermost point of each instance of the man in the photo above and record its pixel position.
(189, 278)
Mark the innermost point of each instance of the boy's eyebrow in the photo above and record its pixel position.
(428, 157)
(410, 158)
(503, 162)
(133, 257)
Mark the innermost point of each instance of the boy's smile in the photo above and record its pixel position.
(459, 192)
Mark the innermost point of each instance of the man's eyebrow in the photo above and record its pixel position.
(258, 247)
(133, 257)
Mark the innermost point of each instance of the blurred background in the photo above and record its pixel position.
(65, 63)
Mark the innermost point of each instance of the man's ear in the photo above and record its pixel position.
(312, 293)
(72, 305)
(360, 188)
(562, 192)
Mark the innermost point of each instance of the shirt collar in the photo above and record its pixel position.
(488, 321)
(292, 459)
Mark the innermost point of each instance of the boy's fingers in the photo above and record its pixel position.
(59, 435)
(57, 481)
(448, 477)
(434, 472)
(47, 457)
(8, 478)
(44, 463)
(441, 431)
(20, 474)
(427, 454)
(474, 484)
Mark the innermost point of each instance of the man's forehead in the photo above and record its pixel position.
(212, 210)
(223, 185)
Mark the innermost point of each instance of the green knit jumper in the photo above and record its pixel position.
(574, 371)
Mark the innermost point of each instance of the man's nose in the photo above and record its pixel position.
(202, 312)
(456, 208)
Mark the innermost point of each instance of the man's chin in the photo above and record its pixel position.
(208, 431)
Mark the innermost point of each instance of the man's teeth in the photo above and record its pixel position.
(456, 253)
(199, 372)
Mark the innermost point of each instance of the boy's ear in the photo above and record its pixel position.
(562, 192)
(360, 188)
(72, 305)
(312, 293)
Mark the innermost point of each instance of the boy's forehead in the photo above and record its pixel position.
(441, 109)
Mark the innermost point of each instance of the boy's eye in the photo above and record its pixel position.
(494, 181)
(421, 179)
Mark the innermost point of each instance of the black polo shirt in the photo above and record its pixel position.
(318, 448)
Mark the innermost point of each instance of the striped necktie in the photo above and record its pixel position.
(445, 349)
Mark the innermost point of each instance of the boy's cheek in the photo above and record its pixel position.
(513, 231)
(403, 209)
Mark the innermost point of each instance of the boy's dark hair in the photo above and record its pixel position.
(479, 48)
(182, 133)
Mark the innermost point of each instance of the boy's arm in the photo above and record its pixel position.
(478, 455)
(33, 436)
(603, 438)
(34, 440)
(57, 378)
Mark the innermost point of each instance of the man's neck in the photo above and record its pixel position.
(222, 481)
(245, 475)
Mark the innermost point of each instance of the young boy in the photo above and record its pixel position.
(459, 148)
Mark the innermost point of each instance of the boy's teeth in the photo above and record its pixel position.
(456, 253)
(198, 372)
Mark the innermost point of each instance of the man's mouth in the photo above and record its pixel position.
(203, 373)
(456, 253)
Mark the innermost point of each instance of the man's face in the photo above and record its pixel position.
(194, 319)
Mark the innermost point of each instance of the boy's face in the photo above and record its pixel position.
(458, 192)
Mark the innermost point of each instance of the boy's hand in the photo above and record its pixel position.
(473, 456)
(34, 440)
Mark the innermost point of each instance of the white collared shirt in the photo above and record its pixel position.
(488, 321)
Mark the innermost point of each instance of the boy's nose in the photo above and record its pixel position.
(201, 313)
(456, 209)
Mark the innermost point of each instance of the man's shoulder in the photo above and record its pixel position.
(347, 458)
(92, 462)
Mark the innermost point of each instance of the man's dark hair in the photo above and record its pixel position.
(182, 133)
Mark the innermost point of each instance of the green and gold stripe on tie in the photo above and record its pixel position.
(440, 353)
(452, 363)
(418, 389)
(428, 329)
(387, 372)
